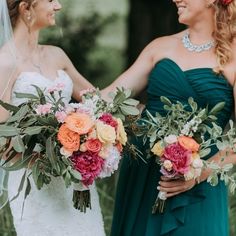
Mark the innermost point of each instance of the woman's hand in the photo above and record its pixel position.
(175, 187)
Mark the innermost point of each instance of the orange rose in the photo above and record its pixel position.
(188, 143)
(79, 122)
(93, 145)
(69, 139)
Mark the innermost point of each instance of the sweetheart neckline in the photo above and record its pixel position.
(192, 69)
(41, 75)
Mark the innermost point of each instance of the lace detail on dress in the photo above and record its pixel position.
(50, 211)
(25, 81)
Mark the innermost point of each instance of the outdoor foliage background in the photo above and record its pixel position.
(97, 37)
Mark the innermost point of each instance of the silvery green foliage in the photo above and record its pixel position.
(198, 123)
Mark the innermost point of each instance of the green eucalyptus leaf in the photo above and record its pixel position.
(8, 131)
(218, 107)
(204, 152)
(20, 188)
(26, 95)
(128, 110)
(166, 101)
(9, 107)
(131, 102)
(33, 130)
(51, 155)
(18, 144)
(19, 115)
(76, 174)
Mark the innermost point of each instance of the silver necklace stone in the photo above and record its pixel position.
(196, 48)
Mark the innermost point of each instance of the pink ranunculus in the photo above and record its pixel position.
(88, 164)
(61, 116)
(43, 109)
(108, 119)
(180, 157)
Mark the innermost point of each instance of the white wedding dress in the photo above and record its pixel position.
(50, 211)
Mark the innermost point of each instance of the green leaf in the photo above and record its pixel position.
(204, 152)
(26, 95)
(8, 131)
(19, 115)
(128, 110)
(76, 174)
(3, 141)
(9, 107)
(218, 107)
(51, 154)
(165, 100)
(33, 130)
(131, 102)
(20, 188)
(18, 144)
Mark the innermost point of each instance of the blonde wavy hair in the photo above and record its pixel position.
(224, 33)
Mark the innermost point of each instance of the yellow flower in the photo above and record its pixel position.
(105, 133)
(121, 134)
(157, 149)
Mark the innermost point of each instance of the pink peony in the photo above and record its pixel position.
(180, 157)
(108, 119)
(88, 164)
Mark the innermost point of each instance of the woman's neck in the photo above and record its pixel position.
(26, 42)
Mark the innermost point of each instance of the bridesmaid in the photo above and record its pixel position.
(199, 62)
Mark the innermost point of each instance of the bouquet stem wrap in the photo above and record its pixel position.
(81, 197)
(159, 204)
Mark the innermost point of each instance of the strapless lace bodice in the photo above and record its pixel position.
(25, 81)
(50, 211)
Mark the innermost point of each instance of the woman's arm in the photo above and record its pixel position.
(136, 77)
(8, 72)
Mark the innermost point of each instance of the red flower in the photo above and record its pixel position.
(88, 164)
(226, 2)
(108, 119)
(180, 157)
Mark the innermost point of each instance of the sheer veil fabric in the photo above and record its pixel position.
(6, 47)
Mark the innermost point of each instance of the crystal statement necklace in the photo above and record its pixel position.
(196, 48)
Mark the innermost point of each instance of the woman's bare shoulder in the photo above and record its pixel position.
(164, 46)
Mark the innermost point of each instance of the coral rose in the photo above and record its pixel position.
(188, 143)
(69, 139)
(79, 122)
(93, 145)
(105, 133)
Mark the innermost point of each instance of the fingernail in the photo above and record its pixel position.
(158, 187)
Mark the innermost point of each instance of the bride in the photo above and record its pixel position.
(23, 63)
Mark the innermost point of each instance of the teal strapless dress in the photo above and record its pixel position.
(201, 211)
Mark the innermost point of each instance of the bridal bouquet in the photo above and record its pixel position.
(182, 138)
(78, 142)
